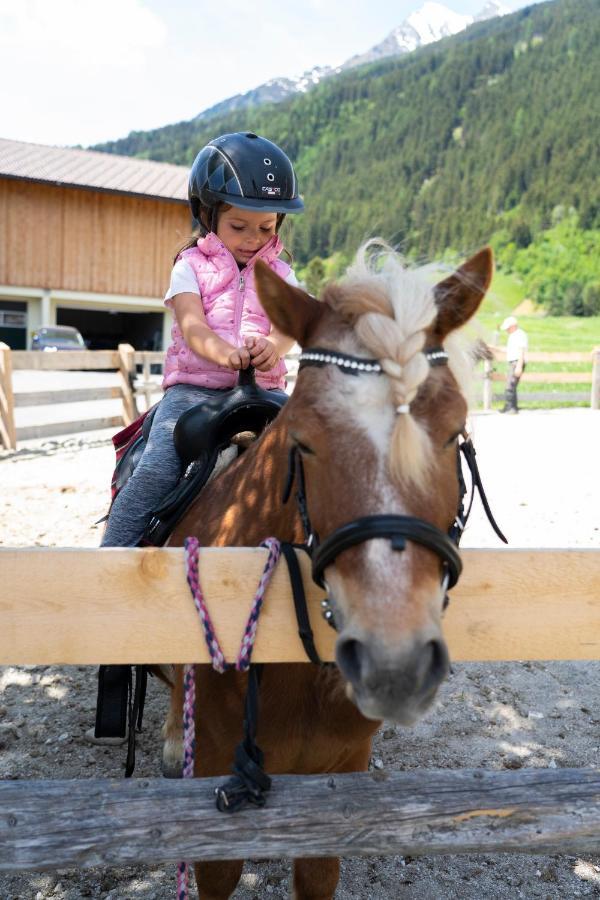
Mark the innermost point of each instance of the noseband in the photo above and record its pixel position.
(395, 528)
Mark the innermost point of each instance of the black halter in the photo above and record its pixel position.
(397, 529)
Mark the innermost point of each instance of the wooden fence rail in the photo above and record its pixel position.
(550, 378)
(130, 386)
(47, 825)
(134, 605)
(8, 437)
(120, 361)
(122, 605)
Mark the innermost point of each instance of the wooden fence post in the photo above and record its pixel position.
(147, 386)
(127, 373)
(595, 397)
(8, 434)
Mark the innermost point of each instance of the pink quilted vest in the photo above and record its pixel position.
(232, 309)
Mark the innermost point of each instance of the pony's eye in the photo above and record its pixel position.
(455, 436)
(303, 448)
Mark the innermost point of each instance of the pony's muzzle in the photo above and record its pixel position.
(398, 685)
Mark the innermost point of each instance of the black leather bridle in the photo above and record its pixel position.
(396, 528)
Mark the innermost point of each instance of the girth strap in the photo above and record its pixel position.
(398, 529)
(137, 699)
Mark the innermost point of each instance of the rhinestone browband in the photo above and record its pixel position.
(354, 365)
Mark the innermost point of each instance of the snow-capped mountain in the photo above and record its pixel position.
(492, 8)
(431, 22)
(272, 91)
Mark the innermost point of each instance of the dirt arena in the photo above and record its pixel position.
(540, 470)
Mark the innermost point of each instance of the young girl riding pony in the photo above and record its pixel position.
(240, 188)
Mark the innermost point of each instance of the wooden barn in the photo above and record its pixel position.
(87, 239)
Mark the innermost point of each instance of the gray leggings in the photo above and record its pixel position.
(157, 472)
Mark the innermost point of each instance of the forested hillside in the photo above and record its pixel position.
(493, 132)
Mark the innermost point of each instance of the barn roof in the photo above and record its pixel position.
(92, 169)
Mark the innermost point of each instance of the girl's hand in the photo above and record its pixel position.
(263, 353)
(239, 359)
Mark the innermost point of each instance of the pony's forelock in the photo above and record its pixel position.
(391, 308)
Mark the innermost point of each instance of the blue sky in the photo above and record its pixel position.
(83, 71)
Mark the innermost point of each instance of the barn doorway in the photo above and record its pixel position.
(13, 324)
(106, 329)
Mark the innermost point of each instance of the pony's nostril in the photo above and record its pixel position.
(350, 659)
(433, 664)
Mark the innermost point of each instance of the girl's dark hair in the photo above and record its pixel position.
(211, 215)
(201, 229)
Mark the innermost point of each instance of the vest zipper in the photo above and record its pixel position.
(238, 312)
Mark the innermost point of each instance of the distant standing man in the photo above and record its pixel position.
(516, 350)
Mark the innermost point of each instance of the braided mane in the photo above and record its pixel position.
(391, 308)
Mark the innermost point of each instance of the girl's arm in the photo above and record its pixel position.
(201, 338)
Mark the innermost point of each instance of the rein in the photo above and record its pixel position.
(396, 528)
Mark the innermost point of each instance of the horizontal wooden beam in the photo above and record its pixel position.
(65, 359)
(52, 429)
(66, 395)
(576, 356)
(154, 357)
(550, 377)
(556, 356)
(566, 397)
(79, 606)
(47, 825)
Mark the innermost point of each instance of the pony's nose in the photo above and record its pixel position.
(415, 672)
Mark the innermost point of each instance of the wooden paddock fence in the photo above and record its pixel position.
(72, 606)
(591, 378)
(136, 380)
(128, 386)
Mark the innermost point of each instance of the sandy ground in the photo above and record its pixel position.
(541, 474)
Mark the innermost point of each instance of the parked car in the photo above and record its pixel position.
(57, 337)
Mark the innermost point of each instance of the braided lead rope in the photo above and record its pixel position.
(242, 663)
(219, 663)
(191, 545)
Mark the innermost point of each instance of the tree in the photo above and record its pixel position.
(315, 276)
(591, 299)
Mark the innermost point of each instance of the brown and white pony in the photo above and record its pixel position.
(370, 444)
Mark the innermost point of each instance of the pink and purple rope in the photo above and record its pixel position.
(219, 663)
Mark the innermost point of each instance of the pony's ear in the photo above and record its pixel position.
(458, 297)
(291, 310)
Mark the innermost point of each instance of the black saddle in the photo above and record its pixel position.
(212, 424)
(202, 433)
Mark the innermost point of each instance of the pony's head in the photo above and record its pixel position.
(386, 443)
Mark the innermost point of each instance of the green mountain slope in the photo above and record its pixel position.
(491, 129)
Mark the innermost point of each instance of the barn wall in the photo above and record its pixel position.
(60, 238)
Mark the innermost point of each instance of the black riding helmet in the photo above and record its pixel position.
(246, 171)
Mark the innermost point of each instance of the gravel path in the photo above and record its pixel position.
(540, 470)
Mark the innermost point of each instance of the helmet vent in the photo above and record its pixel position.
(250, 134)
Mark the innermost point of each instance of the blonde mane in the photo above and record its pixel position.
(391, 308)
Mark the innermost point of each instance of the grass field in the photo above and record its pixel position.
(547, 334)
(563, 334)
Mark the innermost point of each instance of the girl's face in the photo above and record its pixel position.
(244, 231)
